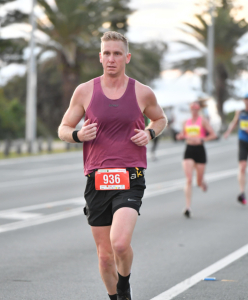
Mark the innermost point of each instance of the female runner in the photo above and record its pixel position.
(196, 131)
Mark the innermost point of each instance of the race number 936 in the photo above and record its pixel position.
(112, 179)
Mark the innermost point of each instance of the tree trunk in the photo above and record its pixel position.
(221, 88)
(70, 80)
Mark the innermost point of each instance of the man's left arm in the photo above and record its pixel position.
(155, 113)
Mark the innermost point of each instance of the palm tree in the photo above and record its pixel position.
(11, 50)
(74, 29)
(228, 31)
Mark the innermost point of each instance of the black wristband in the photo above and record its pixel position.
(75, 137)
(152, 133)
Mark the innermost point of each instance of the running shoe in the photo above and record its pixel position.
(187, 213)
(241, 199)
(127, 295)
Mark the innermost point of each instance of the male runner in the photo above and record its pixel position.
(114, 142)
(241, 118)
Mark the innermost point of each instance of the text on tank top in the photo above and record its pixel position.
(243, 125)
(194, 129)
(116, 121)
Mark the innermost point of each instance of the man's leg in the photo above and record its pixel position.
(122, 228)
(241, 176)
(124, 221)
(105, 254)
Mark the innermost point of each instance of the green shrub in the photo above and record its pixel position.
(12, 118)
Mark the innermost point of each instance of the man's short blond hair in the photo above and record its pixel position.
(115, 36)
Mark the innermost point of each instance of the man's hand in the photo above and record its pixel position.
(87, 132)
(141, 138)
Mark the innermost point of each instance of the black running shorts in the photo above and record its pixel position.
(197, 153)
(101, 205)
(243, 150)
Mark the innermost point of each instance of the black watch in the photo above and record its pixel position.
(152, 133)
(75, 137)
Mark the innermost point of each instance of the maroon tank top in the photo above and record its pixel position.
(116, 119)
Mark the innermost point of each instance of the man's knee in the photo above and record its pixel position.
(120, 247)
(106, 259)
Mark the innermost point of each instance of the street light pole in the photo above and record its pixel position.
(1, 62)
(210, 53)
(31, 87)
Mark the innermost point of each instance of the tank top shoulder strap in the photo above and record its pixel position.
(131, 81)
(97, 87)
(97, 80)
(130, 88)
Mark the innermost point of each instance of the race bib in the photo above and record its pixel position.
(192, 131)
(112, 179)
(244, 124)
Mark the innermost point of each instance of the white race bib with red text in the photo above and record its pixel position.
(112, 179)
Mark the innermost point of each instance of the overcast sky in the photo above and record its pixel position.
(154, 20)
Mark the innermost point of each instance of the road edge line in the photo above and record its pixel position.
(191, 281)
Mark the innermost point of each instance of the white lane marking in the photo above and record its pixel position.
(38, 180)
(78, 201)
(79, 167)
(178, 159)
(152, 191)
(215, 149)
(42, 220)
(79, 154)
(221, 150)
(41, 158)
(50, 170)
(16, 215)
(189, 282)
(175, 185)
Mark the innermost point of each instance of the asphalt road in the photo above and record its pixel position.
(47, 251)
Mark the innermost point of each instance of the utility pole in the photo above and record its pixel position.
(1, 62)
(210, 53)
(31, 110)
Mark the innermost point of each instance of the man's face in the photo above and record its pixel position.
(113, 57)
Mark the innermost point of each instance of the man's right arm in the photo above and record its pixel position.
(79, 102)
